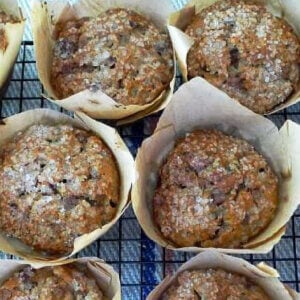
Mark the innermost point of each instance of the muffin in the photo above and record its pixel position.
(214, 284)
(119, 52)
(12, 26)
(56, 183)
(51, 283)
(247, 52)
(214, 190)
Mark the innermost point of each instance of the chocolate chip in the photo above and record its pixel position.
(133, 24)
(120, 84)
(112, 203)
(246, 219)
(14, 205)
(234, 57)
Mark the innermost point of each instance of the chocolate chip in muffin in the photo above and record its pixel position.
(247, 52)
(214, 190)
(120, 52)
(55, 184)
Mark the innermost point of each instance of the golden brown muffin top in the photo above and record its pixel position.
(68, 282)
(56, 183)
(120, 52)
(214, 190)
(213, 284)
(244, 50)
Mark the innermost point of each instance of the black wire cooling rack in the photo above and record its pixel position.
(140, 262)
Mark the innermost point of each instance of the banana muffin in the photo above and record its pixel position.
(56, 183)
(120, 52)
(247, 52)
(5, 18)
(51, 283)
(214, 190)
(214, 284)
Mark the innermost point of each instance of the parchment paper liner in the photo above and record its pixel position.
(95, 104)
(105, 276)
(198, 104)
(178, 21)
(10, 126)
(14, 35)
(262, 274)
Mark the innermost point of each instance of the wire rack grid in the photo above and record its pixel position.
(140, 262)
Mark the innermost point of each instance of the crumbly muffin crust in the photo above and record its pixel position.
(56, 183)
(247, 52)
(214, 190)
(51, 283)
(120, 52)
(214, 284)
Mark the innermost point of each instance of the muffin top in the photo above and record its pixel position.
(120, 52)
(244, 50)
(214, 190)
(213, 284)
(56, 183)
(51, 283)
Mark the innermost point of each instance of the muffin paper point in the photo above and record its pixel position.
(262, 274)
(14, 34)
(107, 279)
(20, 122)
(45, 15)
(289, 10)
(198, 105)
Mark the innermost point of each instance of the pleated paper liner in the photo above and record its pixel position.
(197, 105)
(262, 275)
(106, 278)
(20, 122)
(14, 35)
(95, 104)
(289, 10)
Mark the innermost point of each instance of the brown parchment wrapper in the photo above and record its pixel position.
(178, 21)
(45, 15)
(106, 277)
(20, 122)
(14, 35)
(262, 275)
(198, 104)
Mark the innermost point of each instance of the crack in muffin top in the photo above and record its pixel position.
(244, 50)
(56, 183)
(120, 52)
(214, 190)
